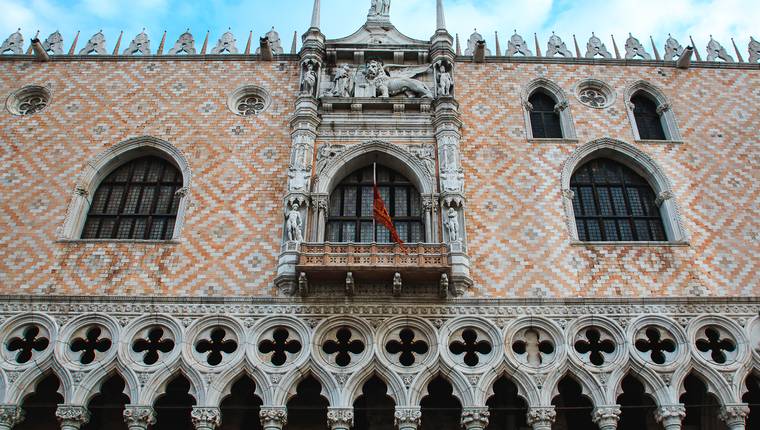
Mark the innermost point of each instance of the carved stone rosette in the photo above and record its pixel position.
(139, 417)
(541, 418)
(670, 416)
(340, 418)
(407, 418)
(606, 417)
(205, 418)
(72, 417)
(10, 415)
(273, 417)
(475, 418)
(735, 416)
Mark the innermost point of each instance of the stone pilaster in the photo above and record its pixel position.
(139, 417)
(735, 416)
(340, 418)
(670, 416)
(72, 417)
(273, 417)
(542, 417)
(606, 417)
(475, 418)
(10, 415)
(206, 418)
(407, 418)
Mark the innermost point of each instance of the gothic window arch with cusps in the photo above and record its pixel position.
(648, 120)
(544, 119)
(547, 111)
(651, 115)
(138, 200)
(350, 214)
(613, 203)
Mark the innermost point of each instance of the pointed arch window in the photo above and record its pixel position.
(648, 120)
(350, 217)
(613, 203)
(545, 121)
(138, 200)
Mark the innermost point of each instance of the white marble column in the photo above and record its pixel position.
(670, 416)
(735, 416)
(340, 418)
(542, 417)
(606, 417)
(407, 418)
(206, 418)
(139, 417)
(10, 415)
(273, 417)
(72, 417)
(475, 418)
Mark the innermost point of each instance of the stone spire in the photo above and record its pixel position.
(440, 19)
(315, 14)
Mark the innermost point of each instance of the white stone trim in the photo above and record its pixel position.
(109, 160)
(563, 104)
(639, 162)
(667, 117)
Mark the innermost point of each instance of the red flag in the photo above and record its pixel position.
(383, 217)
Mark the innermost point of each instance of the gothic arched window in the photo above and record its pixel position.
(613, 203)
(648, 120)
(350, 217)
(544, 119)
(138, 200)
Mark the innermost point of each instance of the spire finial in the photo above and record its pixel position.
(315, 14)
(440, 19)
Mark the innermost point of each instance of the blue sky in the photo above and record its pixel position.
(701, 18)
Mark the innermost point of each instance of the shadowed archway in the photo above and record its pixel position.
(440, 409)
(573, 408)
(637, 407)
(702, 408)
(107, 407)
(307, 410)
(374, 409)
(508, 410)
(40, 406)
(173, 408)
(240, 410)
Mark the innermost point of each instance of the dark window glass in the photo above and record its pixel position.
(613, 203)
(136, 201)
(351, 203)
(647, 119)
(544, 120)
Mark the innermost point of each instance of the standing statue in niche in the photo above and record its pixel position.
(445, 81)
(453, 225)
(380, 7)
(309, 80)
(294, 224)
(342, 82)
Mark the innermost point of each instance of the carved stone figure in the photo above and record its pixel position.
(225, 43)
(96, 44)
(517, 45)
(634, 48)
(557, 46)
(14, 43)
(141, 44)
(185, 44)
(754, 50)
(294, 224)
(472, 42)
(274, 41)
(595, 47)
(673, 49)
(715, 50)
(452, 224)
(380, 7)
(341, 82)
(401, 81)
(54, 43)
(309, 84)
(452, 180)
(445, 81)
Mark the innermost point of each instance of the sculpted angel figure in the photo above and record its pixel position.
(391, 80)
(294, 224)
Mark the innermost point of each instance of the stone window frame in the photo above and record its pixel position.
(563, 105)
(664, 108)
(642, 164)
(107, 162)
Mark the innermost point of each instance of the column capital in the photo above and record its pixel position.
(138, 416)
(406, 417)
(670, 416)
(541, 417)
(734, 415)
(10, 415)
(206, 418)
(475, 418)
(340, 418)
(72, 416)
(273, 416)
(606, 417)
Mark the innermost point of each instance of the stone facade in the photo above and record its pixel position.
(460, 127)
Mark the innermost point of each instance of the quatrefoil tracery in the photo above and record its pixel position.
(716, 346)
(595, 346)
(90, 345)
(343, 346)
(153, 346)
(534, 348)
(655, 345)
(471, 347)
(407, 347)
(216, 346)
(279, 346)
(29, 343)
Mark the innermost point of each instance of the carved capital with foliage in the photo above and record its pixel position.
(475, 418)
(606, 417)
(670, 413)
(10, 415)
(407, 417)
(734, 414)
(340, 418)
(541, 415)
(206, 418)
(71, 416)
(139, 416)
(273, 417)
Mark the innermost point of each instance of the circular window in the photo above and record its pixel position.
(248, 101)
(595, 94)
(28, 100)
